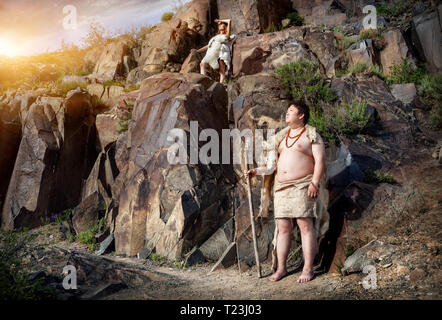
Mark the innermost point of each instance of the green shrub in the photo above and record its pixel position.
(295, 18)
(88, 237)
(430, 88)
(345, 119)
(303, 80)
(394, 8)
(375, 69)
(167, 16)
(351, 118)
(157, 258)
(375, 35)
(124, 123)
(62, 216)
(323, 124)
(357, 68)
(377, 177)
(405, 73)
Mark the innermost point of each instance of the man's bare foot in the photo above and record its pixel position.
(278, 275)
(306, 276)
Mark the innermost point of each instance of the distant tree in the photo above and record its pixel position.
(177, 5)
(167, 16)
(68, 47)
(96, 36)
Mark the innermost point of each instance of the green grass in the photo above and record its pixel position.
(14, 280)
(64, 87)
(114, 82)
(124, 123)
(272, 28)
(348, 251)
(131, 88)
(339, 265)
(357, 68)
(88, 237)
(157, 258)
(376, 70)
(376, 177)
(62, 216)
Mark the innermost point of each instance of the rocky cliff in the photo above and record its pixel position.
(101, 151)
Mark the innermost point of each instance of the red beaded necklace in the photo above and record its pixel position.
(295, 137)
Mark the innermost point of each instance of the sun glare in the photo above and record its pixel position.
(7, 49)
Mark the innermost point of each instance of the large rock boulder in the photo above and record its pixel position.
(170, 41)
(322, 44)
(10, 136)
(253, 16)
(137, 75)
(55, 151)
(427, 34)
(108, 95)
(198, 14)
(164, 207)
(361, 52)
(395, 50)
(266, 52)
(111, 123)
(111, 63)
(319, 13)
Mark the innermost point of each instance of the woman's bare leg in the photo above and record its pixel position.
(204, 67)
(222, 70)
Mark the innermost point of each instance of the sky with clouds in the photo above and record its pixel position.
(31, 27)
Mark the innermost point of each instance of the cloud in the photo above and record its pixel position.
(38, 25)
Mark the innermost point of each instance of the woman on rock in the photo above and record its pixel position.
(218, 52)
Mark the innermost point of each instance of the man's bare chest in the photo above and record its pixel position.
(302, 147)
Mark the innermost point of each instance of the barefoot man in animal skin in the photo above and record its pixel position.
(299, 169)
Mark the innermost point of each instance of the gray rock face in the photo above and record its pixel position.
(427, 27)
(169, 42)
(396, 49)
(253, 16)
(266, 52)
(10, 136)
(110, 64)
(137, 75)
(361, 52)
(214, 247)
(54, 149)
(166, 207)
(366, 256)
(404, 92)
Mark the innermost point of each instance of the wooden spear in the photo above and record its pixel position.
(252, 219)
